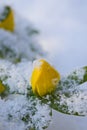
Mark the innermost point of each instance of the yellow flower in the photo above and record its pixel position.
(7, 22)
(44, 78)
(2, 88)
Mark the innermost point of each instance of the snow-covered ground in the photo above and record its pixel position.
(63, 25)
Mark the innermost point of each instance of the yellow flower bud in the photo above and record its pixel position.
(44, 78)
(2, 88)
(8, 22)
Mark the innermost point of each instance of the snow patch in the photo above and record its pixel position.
(20, 45)
(19, 108)
(37, 64)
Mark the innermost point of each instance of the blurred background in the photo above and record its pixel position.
(63, 28)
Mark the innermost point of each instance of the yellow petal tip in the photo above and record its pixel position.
(2, 88)
(7, 19)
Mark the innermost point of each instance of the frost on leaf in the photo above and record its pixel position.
(21, 44)
(70, 96)
(19, 107)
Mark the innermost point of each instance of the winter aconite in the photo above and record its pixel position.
(7, 19)
(44, 78)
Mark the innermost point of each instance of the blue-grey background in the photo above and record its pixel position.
(63, 27)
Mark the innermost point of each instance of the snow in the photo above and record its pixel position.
(37, 64)
(73, 95)
(20, 45)
(70, 96)
(18, 108)
(15, 108)
(17, 78)
(63, 26)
